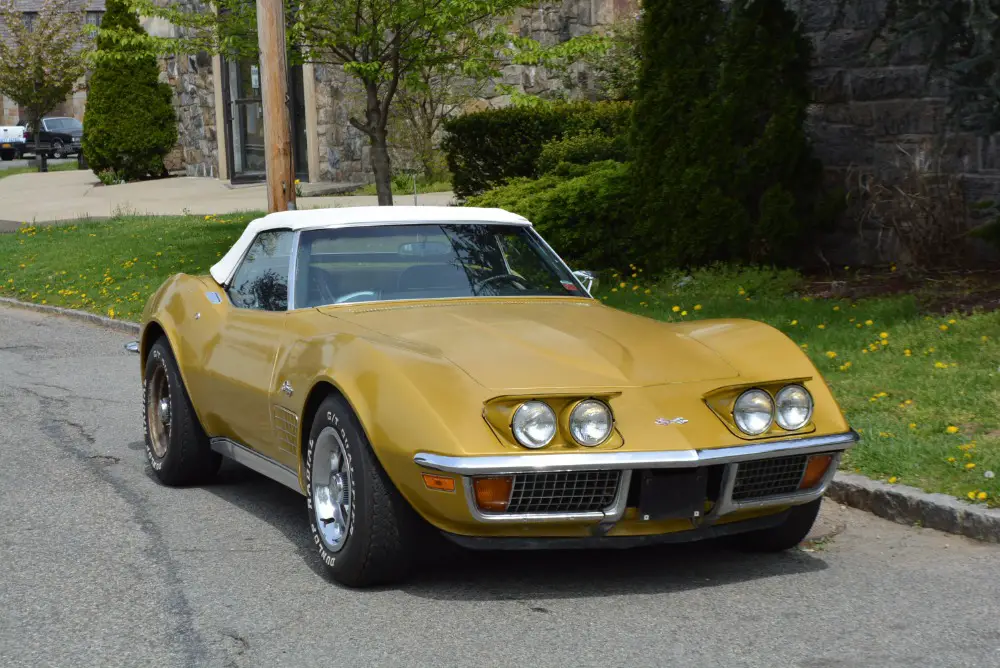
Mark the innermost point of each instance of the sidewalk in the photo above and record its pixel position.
(55, 196)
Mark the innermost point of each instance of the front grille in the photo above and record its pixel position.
(570, 492)
(768, 477)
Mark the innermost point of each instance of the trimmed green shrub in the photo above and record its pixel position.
(129, 123)
(583, 211)
(487, 149)
(723, 167)
(581, 149)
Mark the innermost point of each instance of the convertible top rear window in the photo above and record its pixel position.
(393, 262)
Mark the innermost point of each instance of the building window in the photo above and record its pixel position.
(29, 20)
(94, 18)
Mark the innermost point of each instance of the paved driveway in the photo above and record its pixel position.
(101, 566)
(56, 196)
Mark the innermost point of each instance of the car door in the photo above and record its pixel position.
(239, 363)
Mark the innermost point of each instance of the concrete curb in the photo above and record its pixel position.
(908, 505)
(899, 503)
(92, 318)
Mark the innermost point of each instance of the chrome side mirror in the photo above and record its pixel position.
(589, 280)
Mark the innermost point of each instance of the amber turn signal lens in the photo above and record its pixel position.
(815, 470)
(441, 483)
(493, 493)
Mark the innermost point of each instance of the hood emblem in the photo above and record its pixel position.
(666, 421)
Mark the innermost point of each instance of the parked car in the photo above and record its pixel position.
(412, 370)
(11, 142)
(59, 137)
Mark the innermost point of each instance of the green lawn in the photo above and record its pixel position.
(924, 390)
(64, 167)
(435, 187)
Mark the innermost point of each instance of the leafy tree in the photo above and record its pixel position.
(723, 168)
(381, 43)
(129, 124)
(43, 59)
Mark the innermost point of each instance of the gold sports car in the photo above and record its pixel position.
(426, 371)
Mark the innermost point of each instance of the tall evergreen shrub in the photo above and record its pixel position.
(129, 124)
(723, 168)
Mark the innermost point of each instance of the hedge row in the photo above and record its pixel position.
(489, 148)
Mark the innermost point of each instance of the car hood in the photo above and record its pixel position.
(543, 344)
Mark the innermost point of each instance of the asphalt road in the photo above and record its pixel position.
(101, 566)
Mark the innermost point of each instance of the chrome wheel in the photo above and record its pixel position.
(331, 489)
(158, 411)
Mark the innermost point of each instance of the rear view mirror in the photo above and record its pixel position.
(588, 279)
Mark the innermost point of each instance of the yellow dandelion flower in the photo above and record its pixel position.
(970, 465)
(892, 480)
(684, 312)
(831, 354)
(635, 275)
(836, 308)
(741, 292)
(635, 287)
(622, 284)
(614, 289)
(675, 309)
(907, 352)
(881, 394)
(913, 425)
(952, 429)
(111, 313)
(821, 326)
(648, 292)
(697, 307)
(883, 335)
(804, 346)
(858, 325)
(943, 328)
(794, 322)
(984, 338)
(972, 496)
(869, 322)
(952, 321)
(951, 460)
(981, 496)
(940, 365)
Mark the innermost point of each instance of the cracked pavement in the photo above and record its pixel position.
(101, 566)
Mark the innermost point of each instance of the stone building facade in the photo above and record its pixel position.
(867, 117)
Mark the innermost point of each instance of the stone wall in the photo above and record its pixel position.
(191, 78)
(344, 151)
(874, 117)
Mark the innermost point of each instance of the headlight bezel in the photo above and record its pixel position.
(519, 411)
(755, 392)
(572, 431)
(722, 402)
(778, 417)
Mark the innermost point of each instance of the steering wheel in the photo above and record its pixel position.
(348, 297)
(508, 278)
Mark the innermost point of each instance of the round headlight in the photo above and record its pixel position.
(590, 422)
(534, 424)
(793, 407)
(754, 412)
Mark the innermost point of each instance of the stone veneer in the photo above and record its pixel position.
(867, 113)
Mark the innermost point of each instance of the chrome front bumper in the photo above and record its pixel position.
(627, 462)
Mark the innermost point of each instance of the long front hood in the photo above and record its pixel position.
(544, 344)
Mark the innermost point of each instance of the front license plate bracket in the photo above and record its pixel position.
(672, 494)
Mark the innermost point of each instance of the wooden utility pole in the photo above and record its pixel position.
(274, 95)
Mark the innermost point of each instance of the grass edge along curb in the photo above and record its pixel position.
(908, 505)
(94, 319)
(899, 503)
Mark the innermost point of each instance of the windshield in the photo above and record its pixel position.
(391, 262)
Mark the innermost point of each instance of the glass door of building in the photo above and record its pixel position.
(245, 121)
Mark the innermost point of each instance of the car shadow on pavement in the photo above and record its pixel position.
(447, 572)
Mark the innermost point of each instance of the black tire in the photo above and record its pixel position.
(784, 536)
(57, 149)
(383, 527)
(7, 156)
(185, 456)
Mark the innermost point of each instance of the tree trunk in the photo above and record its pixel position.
(382, 168)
